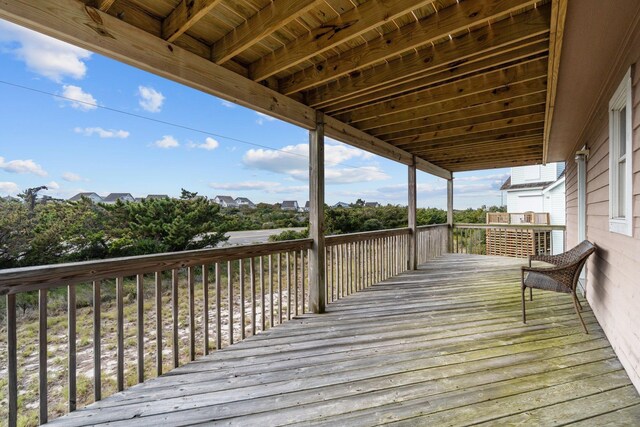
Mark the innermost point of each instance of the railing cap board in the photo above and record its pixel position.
(24, 279)
(428, 226)
(339, 239)
(540, 227)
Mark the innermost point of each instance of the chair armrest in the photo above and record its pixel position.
(561, 275)
(551, 259)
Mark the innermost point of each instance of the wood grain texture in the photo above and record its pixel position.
(439, 344)
(184, 16)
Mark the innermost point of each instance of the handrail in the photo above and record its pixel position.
(425, 227)
(337, 239)
(24, 279)
(541, 227)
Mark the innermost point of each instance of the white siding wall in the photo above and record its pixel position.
(554, 203)
(535, 173)
(523, 201)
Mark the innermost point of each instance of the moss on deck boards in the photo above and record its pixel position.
(444, 345)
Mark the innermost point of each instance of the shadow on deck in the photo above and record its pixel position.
(444, 345)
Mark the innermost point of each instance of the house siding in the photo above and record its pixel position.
(613, 284)
(535, 173)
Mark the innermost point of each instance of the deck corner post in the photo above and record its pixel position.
(317, 297)
(413, 237)
(450, 213)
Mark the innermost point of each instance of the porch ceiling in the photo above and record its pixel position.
(459, 84)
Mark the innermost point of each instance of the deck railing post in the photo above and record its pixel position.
(450, 212)
(413, 237)
(316, 217)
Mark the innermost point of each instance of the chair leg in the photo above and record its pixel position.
(530, 294)
(524, 315)
(578, 301)
(575, 304)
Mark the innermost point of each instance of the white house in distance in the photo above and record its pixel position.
(538, 188)
(243, 201)
(225, 201)
(289, 205)
(94, 197)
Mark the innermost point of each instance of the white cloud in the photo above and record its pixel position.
(44, 55)
(293, 160)
(208, 144)
(22, 166)
(150, 99)
(71, 177)
(8, 187)
(167, 141)
(227, 104)
(262, 118)
(53, 185)
(78, 98)
(102, 133)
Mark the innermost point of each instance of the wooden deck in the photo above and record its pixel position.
(441, 346)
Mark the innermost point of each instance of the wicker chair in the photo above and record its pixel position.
(563, 277)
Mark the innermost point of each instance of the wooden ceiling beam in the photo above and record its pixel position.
(466, 123)
(489, 96)
(507, 163)
(502, 108)
(268, 20)
(450, 20)
(485, 149)
(73, 22)
(467, 131)
(496, 58)
(184, 16)
(558, 17)
(475, 163)
(523, 71)
(345, 27)
(103, 5)
(478, 141)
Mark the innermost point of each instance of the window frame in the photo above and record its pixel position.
(621, 99)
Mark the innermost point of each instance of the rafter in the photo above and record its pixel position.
(451, 20)
(492, 95)
(275, 15)
(465, 123)
(184, 16)
(345, 27)
(447, 144)
(497, 58)
(103, 5)
(490, 147)
(528, 70)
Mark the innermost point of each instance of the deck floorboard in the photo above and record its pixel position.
(443, 345)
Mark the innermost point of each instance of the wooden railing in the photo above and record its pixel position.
(245, 289)
(357, 261)
(431, 242)
(506, 240)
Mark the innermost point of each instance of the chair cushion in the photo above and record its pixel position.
(542, 281)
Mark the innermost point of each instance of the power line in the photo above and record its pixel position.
(164, 122)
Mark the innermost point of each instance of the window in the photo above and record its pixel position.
(620, 155)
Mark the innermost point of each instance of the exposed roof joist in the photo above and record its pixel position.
(184, 16)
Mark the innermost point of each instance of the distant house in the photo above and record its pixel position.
(372, 204)
(94, 197)
(157, 196)
(225, 201)
(114, 197)
(289, 205)
(307, 206)
(341, 205)
(243, 201)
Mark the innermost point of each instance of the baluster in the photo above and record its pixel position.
(348, 259)
(242, 296)
(191, 283)
(303, 279)
(295, 281)
(42, 354)
(329, 274)
(12, 360)
(140, 325)
(279, 288)
(262, 299)
(271, 291)
(288, 287)
(71, 333)
(120, 333)
(174, 316)
(252, 278)
(230, 299)
(218, 308)
(97, 361)
(205, 303)
(158, 280)
(339, 293)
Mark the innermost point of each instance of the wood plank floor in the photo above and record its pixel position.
(442, 346)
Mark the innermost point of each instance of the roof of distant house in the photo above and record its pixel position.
(243, 199)
(372, 204)
(226, 199)
(289, 204)
(117, 196)
(307, 205)
(157, 196)
(85, 194)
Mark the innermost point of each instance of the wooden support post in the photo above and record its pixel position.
(316, 216)
(450, 212)
(413, 238)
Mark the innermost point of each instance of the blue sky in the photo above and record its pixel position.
(121, 129)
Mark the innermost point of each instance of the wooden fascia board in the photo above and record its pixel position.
(74, 22)
(558, 18)
(184, 16)
(450, 20)
(341, 29)
(265, 22)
